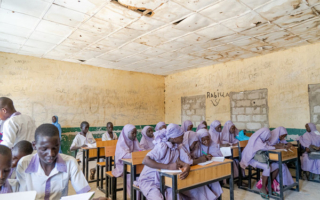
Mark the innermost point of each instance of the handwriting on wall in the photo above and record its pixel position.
(215, 97)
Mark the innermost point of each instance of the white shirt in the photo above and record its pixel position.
(80, 140)
(17, 128)
(106, 136)
(10, 186)
(32, 177)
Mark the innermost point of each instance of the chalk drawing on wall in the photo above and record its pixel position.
(193, 108)
(249, 109)
(314, 104)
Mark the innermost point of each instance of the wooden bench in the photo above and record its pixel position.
(134, 166)
(111, 181)
(101, 165)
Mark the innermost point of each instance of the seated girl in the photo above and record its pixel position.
(127, 143)
(310, 140)
(259, 141)
(146, 141)
(215, 131)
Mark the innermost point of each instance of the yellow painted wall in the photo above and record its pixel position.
(42, 88)
(286, 75)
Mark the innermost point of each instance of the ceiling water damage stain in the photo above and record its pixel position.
(156, 36)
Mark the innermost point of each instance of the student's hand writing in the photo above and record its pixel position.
(203, 158)
(289, 145)
(209, 157)
(185, 171)
(84, 145)
(279, 146)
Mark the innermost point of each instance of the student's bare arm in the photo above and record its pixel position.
(153, 164)
(199, 160)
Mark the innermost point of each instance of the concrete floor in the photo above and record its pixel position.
(308, 191)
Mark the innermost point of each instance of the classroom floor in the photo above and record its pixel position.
(308, 191)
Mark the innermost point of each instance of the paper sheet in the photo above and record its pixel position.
(226, 151)
(30, 195)
(170, 171)
(94, 145)
(84, 196)
(214, 159)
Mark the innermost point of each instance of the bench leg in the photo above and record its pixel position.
(101, 180)
(98, 175)
(114, 188)
(249, 177)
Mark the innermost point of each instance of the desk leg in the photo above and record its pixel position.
(281, 178)
(174, 187)
(87, 163)
(231, 183)
(269, 185)
(83, 162)
(162, 185)
(133, 178)
(297, 174)
(124, 181)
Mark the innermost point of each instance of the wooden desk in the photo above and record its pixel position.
(234, 152)
(134, 170)
(283, 157)
(198, 176)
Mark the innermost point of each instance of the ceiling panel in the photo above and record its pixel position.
(158, 37)
(35, 8)
(65, 16)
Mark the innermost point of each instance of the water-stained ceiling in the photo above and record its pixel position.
(155, 36)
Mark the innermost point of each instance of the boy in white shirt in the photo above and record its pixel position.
(47, 171)
(6, 185)
(21, 149)
(109, 135)
(17, 126)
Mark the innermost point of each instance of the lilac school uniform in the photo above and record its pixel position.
(9, 186)
(166, 153)
(215, 135)
(258, 141)
(185, 125)
(307, 139)
(124, 148)
(213, 190)
(31, 176)
(146, 143)
(273, 140)
(229, 138)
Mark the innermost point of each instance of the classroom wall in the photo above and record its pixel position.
(286, 75)
(42, 88)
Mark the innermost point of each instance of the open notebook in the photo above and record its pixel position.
(84, 196)
(214, 159)
(30, 195)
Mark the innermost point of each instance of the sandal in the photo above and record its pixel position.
(92, 173)
(264, 196)
(275, 194)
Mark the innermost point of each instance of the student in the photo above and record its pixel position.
(127, 143)
(310, 139)
(215, 131)
(1, 127)
(202, 124)
(17, 126)
(160, 126)
(47, 172)
(55, 121)
(259, 141)
(227, 137)
(82, 139)
(209, 149)
(109, 135)
(187, 126)
(165, 155)
(21, 149)
(6, 185)
(146, 141)
(278, 136)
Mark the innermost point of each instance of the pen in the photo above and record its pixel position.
(204, 153)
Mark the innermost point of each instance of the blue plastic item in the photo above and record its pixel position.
(242, 137)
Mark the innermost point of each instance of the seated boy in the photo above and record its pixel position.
(47, 171)
(21, 149)
(6, 185)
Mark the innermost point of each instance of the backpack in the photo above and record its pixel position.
(262, 157)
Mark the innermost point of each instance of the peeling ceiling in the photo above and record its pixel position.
(157, 37)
